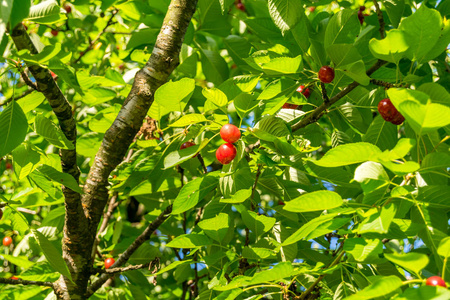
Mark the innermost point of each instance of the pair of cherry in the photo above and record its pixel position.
(226, 152)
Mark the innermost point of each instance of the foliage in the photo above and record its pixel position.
(348, 207)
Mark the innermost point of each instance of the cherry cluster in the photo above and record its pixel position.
(227, 152)
(389, 113)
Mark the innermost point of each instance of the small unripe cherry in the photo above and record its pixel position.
(435, 281)
(290, 106)
(7, 240)
(326, 74)
(312, 8)
(230, 133)
(305, 92)
(226, 153)
(109, 262)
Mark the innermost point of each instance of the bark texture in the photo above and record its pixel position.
(75, 227)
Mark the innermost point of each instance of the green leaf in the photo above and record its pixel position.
(422, 30)
(283, 65)
(381, 286)
(244, 104)
(5, 12)
(26, 159)
(342, 28)
(178, 156)
(217, 227)
(270, 127)
(362, 249)
(216, 96)
(173, 95)
(258, 224)
(319, 200)
(20, 11)
(392, 48)
(349, 154)
(411, 261)
(52, 133)
(401, 149)
(52, 255)
(424, 293)
(214, 66)
(60, 177)
(19, 222)
(31, 101)
(188, 120)
(46, 12)
(394, 9)
(13, 128)
(285, 13)
(174, 265)
(42, 57)
(239, 196)
(20, 261)
(444, 247)
(187, 241)
(377, 220)
(193, 192)
(401, 168)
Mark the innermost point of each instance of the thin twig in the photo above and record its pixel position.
(106, 216)
(25, 282)
(380, 19)
(120, 270)
(382, 83)
(94, 41)
(26, 93)
(324, 93)
(316, 114)
(144, 236)
(27, 80)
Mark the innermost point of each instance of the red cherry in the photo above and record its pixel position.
(226, 153)
(230, 133)
(326, 74)
(361, 8)
(312, 8)
(8, 166)
(122, 67)
(387, 110)
(280, 202)
(14, 278)
(68, 8)
(290, 106)
(398, 119)
(7, 240)
(54, 32)
(436, 281)
(109, 262)
(240, 6)
(187, 145)
(305, 92)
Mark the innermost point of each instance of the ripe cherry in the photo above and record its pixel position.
(14, 278)
(312, 8)
(187, 145)
(230, 133)
(290, 106)
(362, 8)
(109, 262)
(68, 8)
(306, 92)
(226, 153)
(54, 32)
(8, 166)
(398, 119)
(240, 6)
(326, 74)
(436, 281)
(7, 240)
(388, 111)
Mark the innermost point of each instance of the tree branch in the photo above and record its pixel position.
(117, 139)
(131, 249)
(75, 252)
(26, 93)
(324, 93)
(380, 19)
(315, 115)
(25, 282)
